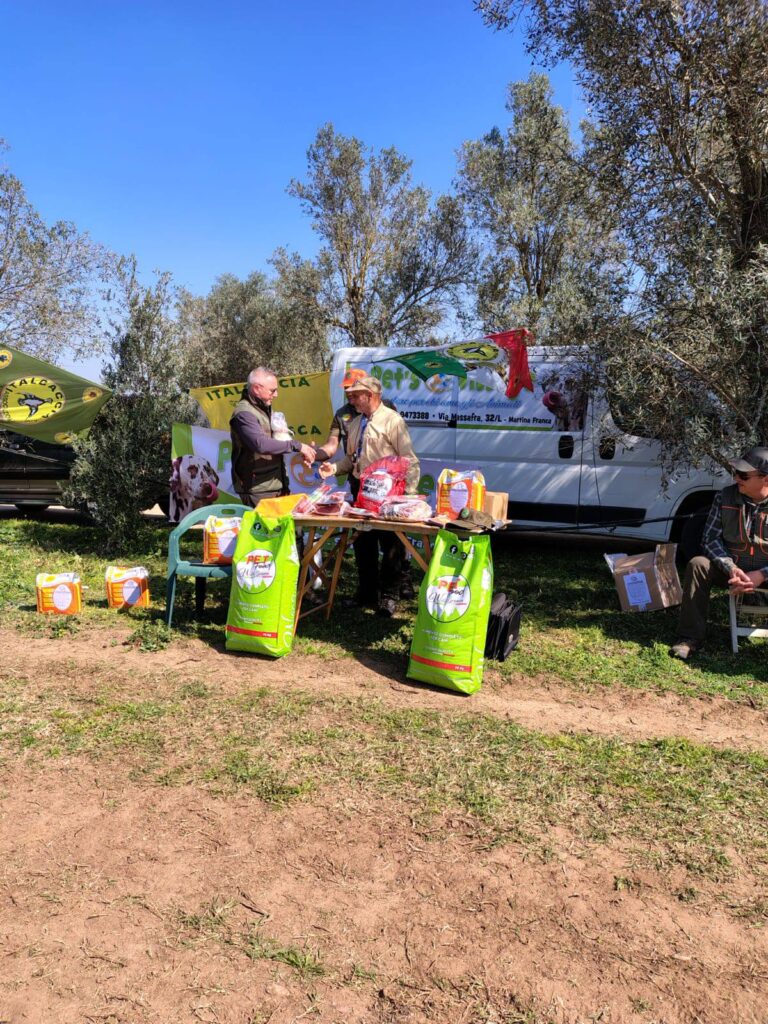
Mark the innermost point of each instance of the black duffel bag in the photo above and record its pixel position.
(503, 628)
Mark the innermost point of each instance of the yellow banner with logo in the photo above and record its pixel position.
(43, 401)
(304, 399)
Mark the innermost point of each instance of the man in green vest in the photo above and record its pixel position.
(735, 546)
(258, 470)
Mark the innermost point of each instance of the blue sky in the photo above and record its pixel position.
(171, 130)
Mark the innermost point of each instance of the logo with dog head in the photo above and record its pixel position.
(30, 400)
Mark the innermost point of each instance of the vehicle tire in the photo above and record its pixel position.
(26, 508)
(691, 533)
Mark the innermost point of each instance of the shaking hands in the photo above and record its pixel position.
(308, 453)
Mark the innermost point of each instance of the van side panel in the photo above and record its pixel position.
(559, 456)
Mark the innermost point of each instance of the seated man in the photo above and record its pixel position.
(735, 545)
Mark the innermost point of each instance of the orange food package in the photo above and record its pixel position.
(458, 489)
(219, 538)
(59, 593)
(127, 587)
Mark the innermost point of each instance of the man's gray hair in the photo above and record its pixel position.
(260, 371)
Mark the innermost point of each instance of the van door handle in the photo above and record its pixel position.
(607, 447)
(565, 446)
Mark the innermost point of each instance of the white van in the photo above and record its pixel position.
(559, 454)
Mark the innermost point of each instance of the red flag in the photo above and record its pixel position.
(515, 343)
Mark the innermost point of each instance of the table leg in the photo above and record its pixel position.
(427, 547)
(341, 547)
(414, 552)
(314, 545)
(303, 573)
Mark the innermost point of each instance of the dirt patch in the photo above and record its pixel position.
(125, 902)
(538, 704)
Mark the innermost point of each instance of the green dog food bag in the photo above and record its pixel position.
(262, 601)
(448, 647)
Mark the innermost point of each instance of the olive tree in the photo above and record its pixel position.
(677, 92)
(123, 466)
(392, 261)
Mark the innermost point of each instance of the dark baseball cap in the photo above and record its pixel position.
(754, 459)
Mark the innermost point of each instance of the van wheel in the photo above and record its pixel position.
(28, 507)
(691, 534)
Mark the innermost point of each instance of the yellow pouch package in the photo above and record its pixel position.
(127, 587)
(219, 538)
(458, 489)
(59, 593)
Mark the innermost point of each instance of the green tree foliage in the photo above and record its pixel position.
(550, 246)
(50, 277)
(123, 465)
(391, 261)
(677, 90)
(243, 324)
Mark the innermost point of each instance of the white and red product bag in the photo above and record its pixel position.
(383, 479)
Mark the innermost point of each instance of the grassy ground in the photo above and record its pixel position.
(573, 630)
(659, 823)
(514, 784)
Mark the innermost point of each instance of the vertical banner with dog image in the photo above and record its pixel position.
(201, 469)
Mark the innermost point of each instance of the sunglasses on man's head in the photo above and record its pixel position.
(745, 476)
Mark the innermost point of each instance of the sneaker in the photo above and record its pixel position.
(683, 649)
(387, 607)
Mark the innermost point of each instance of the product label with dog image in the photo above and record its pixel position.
(448, 647)
(262, 600)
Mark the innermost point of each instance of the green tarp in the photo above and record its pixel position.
(427, 363)
(44, 401)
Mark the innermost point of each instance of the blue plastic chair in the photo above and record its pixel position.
(183, 567)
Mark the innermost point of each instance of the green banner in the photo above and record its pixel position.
(43, 401)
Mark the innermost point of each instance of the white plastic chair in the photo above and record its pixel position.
(738, 609)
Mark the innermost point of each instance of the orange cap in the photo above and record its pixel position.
(353, 376)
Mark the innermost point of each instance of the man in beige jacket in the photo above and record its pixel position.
(375, 433)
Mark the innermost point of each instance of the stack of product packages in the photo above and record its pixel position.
(448, 647)
(265, 571)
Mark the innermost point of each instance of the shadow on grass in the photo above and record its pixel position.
(573, 628)
(78, 538)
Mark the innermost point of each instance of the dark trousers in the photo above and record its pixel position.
(700, 576)
(251, 500)
(375, 581)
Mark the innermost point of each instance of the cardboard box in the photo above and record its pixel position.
(495, 504)
(647, 582)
